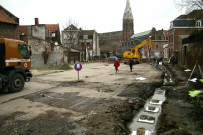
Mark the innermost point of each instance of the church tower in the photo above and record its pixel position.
(128, 25)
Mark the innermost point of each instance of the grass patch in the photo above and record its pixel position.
(56, 67)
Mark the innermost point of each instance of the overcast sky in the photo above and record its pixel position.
(101, 15)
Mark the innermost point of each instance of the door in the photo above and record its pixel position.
(184, 54)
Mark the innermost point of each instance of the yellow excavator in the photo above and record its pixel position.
(134, 52)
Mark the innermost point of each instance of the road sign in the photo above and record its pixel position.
(78, 67)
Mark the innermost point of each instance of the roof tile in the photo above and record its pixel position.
(52, 27)
(24, 28)
(4, 18)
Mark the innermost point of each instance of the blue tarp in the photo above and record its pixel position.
(112, 57)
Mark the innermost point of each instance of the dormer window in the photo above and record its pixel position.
(198, 23)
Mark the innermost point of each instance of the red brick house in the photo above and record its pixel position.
(183, 26)
(9, 24)
(54, 32)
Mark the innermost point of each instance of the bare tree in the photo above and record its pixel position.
(189, 5)
(69, 22)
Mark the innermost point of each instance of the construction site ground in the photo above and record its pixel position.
(101, 102)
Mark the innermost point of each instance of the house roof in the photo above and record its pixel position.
(24, 29)
(114, 33)
(87, 32)
(6, 19)
(71, 27)
(141, 34)
(195, 14)
(52, 27)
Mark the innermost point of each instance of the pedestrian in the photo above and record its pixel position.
(116, 65)
(172, 60)
(131, 64)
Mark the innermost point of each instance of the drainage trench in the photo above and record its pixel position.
(145, 121)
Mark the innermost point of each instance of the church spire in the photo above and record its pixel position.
(128, 13)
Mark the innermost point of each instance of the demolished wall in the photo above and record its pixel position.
(44, 53)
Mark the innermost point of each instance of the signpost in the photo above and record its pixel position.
(78, 67)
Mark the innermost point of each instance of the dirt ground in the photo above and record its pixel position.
(100, 103)
(181, 114)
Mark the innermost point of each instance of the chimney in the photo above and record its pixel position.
(36, 21)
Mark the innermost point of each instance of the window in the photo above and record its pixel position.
(171, 38)
(88, 45)
(53, 34)
(85, 36)
(198, 23)
(23, 51)
(65, 36)
(75, 36)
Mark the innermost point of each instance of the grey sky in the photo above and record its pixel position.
(101, 15)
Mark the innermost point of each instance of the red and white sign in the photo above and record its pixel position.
(78, 67)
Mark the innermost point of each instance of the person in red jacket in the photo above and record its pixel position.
(116, 65)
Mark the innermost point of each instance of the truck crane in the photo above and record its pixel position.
(134, 52)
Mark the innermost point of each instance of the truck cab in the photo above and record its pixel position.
(15, 64)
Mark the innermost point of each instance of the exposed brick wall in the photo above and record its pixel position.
(9, 31)
(106, 48)
(157, 47)
(194, 52)
(108, 44)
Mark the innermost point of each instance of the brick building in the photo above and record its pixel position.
(9, 24)
(89, 42)
(85, 41)
(180, 28)
(110, 41)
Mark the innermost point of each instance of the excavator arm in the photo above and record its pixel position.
(136, 53)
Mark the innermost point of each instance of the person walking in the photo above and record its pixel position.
(116, 65)
(131, 64)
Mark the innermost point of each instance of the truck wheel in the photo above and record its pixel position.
(17, 83)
